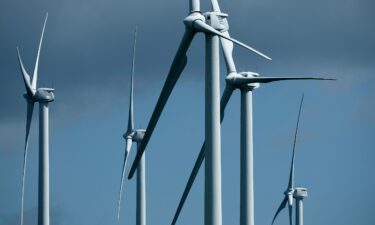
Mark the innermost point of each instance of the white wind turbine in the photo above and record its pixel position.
(246, 82)
(211, 24)
(43, 96)
(134, 135)
(291, 192)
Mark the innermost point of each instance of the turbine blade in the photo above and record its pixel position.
(291, 175)
(215, 6)
(281, 207)
(250, 80)
(29, 116)
(35, 75)
(290, 215)
(227, 47)
(272, 79)
(198, 163)
(194, 6)
(178, 65)
(131, 109)
(228, 91)
(203, 27)
(127, 151)
(193, 175)
(25, 76)
(290, 198)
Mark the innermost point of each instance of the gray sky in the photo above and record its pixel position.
(86, 57)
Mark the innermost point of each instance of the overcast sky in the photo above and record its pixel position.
(86, 57)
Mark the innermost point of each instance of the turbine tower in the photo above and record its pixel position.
(246, 82)
(298, 193)
(134, 135)
(43, 96)
(211, 24)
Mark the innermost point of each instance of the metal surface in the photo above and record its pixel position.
(43, 195)
(141, 192)
(246, 159)
(299, 212)
(212, 193)
(299, 194)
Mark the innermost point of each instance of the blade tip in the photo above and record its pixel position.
(131, 173)
(327, 78)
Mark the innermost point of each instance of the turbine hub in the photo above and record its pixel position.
(41, 95)
(300, 193)
(189, 20)
(128, 135)
(289, 191)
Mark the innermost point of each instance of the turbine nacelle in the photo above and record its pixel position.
(135, 135)
(138, 135)
(242, 79)
(41, 95)
(300, 193)
(217, 20)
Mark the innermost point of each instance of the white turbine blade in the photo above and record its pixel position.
(203, 27)
(29, 116)
(178, 65)
(215, 6)
(227, 47)
(127, 151)
(25, 76)
(198, 163)
(291, 175)
(131, 104)
(193, 175)
(35, 75)
(194, 6)
(281, 207)
(290, 198)
(228, 91)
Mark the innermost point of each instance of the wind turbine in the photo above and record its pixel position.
(134, 135)
(291, 192)
(211, 24)
(43, 96)
(246, 82)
